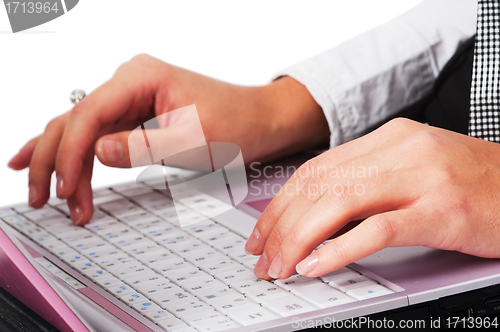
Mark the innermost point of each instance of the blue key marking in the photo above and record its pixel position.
(77, 257)
(370, 291)
(136, 295)
(88, 264)
(98, 272)
(123, 287)
(146, 304)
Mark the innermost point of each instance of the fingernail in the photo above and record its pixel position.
(59, 186)
(76, 215)
(9, 165)
(276, 267)
(307, 265)
(110, 151)
(261, 267)
(253, 242)
(33, 194)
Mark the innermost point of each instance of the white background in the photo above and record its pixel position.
(243, 42)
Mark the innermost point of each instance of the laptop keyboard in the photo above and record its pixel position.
(194, 278)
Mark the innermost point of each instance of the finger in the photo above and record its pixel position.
(300, 205)
(102, 108)
(80, 203)
(42, 162)
(22, 159)
(340, 204)
(144, 147)
(389, 229)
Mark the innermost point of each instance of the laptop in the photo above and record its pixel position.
(134, 268)
(166, 252)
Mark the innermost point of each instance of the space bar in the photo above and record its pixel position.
(237, 221)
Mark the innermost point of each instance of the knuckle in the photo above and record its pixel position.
(293, 239)
(341, 195)
(311, 180)
(397, 123)
(382, 228)
(275, 239)
(52, 125)
(142, 58)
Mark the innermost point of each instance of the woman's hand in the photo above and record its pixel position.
(410, 183)
(266, 122)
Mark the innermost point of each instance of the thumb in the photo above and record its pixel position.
(173, 146)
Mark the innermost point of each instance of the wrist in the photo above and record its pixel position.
(302, 120)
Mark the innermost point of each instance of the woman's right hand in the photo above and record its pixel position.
(266, 122)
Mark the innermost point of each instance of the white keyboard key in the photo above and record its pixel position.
(143, 222)
(322, 295)
(352, 283)
(73, 259)
(140, 278)
(105, 254)
(83, 266)
(243, 286)
(186, 308)
(166, 299)
(149, 258)
(200, 316)
(229, 277)
(214, 293)
(149, 289)
(153, 201)
(251, 314)
(43, 213)
(216, 324)
(158, 315)
(165, 268)
(288, 305)
(174, 237)
(186, 329)
(134, 192)
(58, 221)
(197, 257)
(250, 262)
(197, 286)
(96, 274)
(121, 290)
(44, 237)
(333, 275)
(171, 324)
(187, 247)
(296, 281)
(239, 254)
(65, 251)
(187, 276)
(108, 282)
(106, 199)
(11, 217)
(22, 208)
(261, 294)
(53, 245)
(133, 298)
(214, 267)
(146, 306)
(226, 304)
(368, 292)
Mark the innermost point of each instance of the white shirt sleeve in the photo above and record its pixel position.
(369, 78)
